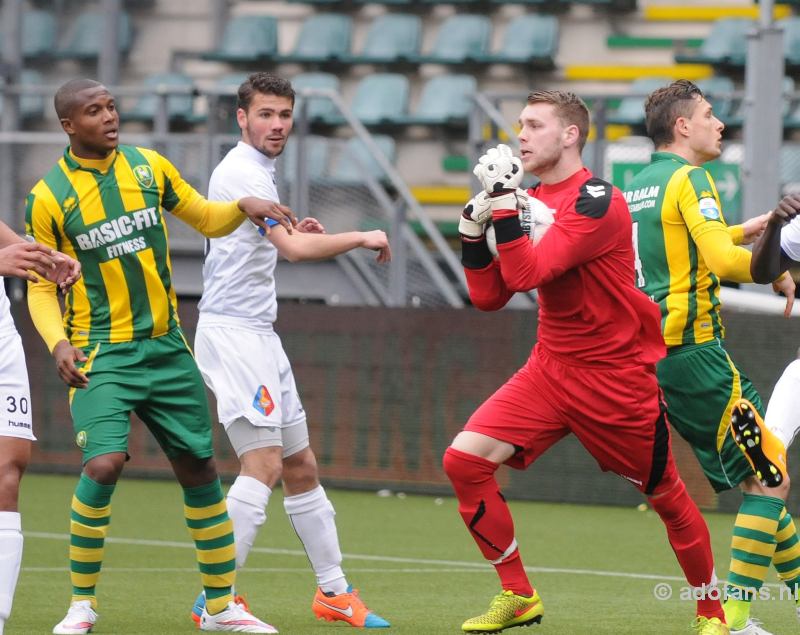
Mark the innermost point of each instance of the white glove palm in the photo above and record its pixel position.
(477, 212)
(499, 170)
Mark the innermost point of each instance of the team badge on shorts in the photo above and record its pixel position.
(263, 401)
(80, 439)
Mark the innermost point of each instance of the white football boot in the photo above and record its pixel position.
(79, 620)
(234, 619)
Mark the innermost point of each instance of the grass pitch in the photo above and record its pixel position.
(596, 567)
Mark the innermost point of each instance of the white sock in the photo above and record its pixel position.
(784, 404)
(10, 559)
(312, 517)
(247, 502)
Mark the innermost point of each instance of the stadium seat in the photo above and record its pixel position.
(324, 37)
(392, 37)
(631, 109)
(317, 155)
(791, 41)
(531, 39)
(446, 100)
(38, 38)
(719, 91)
(83, 39)
(247, 38)
(31, 107)
(319, 109)
(725, 45)
(380, 99)
(180, 106)
(461, 38)
(355, 160)
(790, 118)
(225, 99)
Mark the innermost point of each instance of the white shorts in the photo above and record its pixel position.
(252, 379)
(15, 392)
(783, 411)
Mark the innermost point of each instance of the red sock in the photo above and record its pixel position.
(486, 514)
(688, 535)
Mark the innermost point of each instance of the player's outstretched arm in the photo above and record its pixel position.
(306, 246)
(259, 209)
(769, 260)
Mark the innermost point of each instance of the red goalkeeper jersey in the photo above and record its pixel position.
(590, 312)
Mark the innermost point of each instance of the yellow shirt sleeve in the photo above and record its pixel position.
(210, 218)
(737, 234)
(43, 295)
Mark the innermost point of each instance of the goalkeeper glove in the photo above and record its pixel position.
(500, 173)
(477, 212)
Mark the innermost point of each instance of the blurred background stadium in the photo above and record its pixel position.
(396, 100)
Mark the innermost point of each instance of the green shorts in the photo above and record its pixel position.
(157, 379)
(700, 384)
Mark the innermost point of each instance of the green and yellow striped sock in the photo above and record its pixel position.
(212, 532)
(787, 553)
(752, 548)
(88, 526)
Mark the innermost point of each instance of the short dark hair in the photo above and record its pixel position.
(266, 84)
(663, 107)
(570, 109)
(65, 98)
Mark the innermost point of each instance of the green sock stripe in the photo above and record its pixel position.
(86, 543)
(217, 568)
(212, 593)
(764, 506)
(92, 493)
(789, 565)
(83, 590)
(793, 584)
(754, 534)
(216, 543)
(790, 542)
(740, 589)
(85, 567)
(202, 523)
(89, 522)
(784, 521)
(204, 495)
(750, 558)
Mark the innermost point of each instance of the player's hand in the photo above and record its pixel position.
(377, 241)
(786, 210)
(476, 213)
(310, 226)
(23, 259)
(753, 228)
(499, 171)
(786, 286)
(66, 355)
(259, 209)
(66, 273)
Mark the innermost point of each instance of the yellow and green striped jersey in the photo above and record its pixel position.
(672, 203)
(107, 214)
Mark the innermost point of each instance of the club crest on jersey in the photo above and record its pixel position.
(80, 439)
(263, 401)
(708, 208)
(144, 175)
(69, 204)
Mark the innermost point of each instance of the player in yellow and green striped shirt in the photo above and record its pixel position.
(683, 247)
(119, 345)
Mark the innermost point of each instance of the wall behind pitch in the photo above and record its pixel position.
(386, 390)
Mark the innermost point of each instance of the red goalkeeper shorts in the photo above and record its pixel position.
(617, 414)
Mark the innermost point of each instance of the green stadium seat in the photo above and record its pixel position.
(31, 107)
(355, 160)
(317, 155)
(461, 38)
(380, 99)
(791, 119)
(83, 39)
(180, 106)
(247, 38)
(791, 41)
(392, 37)
(38, 34)
(631, 109)
(324, 37)
(319, 109)
(725, 45)
(225, 88)
(531, 40)
(719, 91)
(446, 100)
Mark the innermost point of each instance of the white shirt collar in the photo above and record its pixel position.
(250, 152)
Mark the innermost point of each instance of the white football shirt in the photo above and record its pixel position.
(239, 269)
(790, 239)
(6, 322)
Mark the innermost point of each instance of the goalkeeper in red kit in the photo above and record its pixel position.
(592, 371)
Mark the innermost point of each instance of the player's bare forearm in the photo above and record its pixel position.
(768, 260)
(304, 247)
